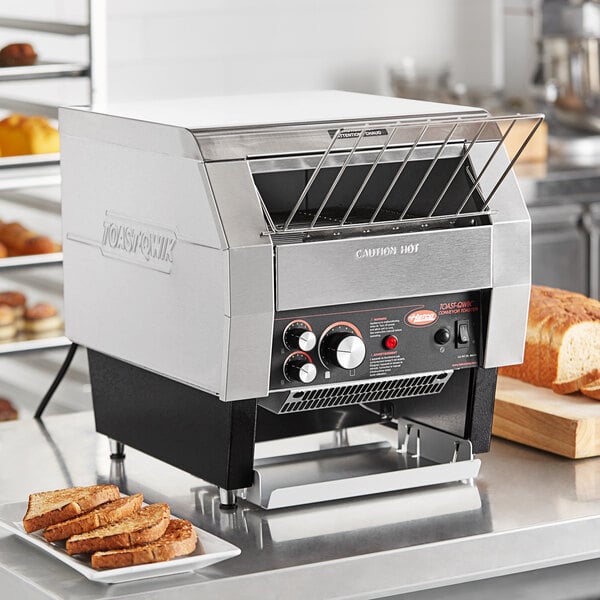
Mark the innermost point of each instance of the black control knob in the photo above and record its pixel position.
(296, 338)
(442, 336)
(299, 368)
(345, 350)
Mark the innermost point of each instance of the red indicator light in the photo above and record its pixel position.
(390, 342)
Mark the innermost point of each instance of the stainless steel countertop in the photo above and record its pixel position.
(527, 510)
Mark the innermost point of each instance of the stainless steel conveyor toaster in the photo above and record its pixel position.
(263, 272)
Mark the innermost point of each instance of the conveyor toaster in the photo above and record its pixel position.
(263, 272)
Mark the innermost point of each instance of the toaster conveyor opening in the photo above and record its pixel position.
(419, 192)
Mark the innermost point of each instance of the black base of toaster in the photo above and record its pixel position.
(214, 440)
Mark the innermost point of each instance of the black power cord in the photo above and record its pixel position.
(59, 377)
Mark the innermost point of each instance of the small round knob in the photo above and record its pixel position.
(300, 339)
(442, 336)
(345, 350)
(299, 368)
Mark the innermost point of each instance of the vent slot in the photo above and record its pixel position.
(329, 397)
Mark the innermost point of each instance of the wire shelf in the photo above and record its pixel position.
(337, 194)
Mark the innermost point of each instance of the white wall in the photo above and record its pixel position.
(159, 48)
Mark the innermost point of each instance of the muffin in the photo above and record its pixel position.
(8, 323)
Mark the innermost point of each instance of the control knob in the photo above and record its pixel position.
(297, 338)
(345, 350)
(298, 367)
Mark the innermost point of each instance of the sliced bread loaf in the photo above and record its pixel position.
(146, 525)
(99, 517)
(47, 508)
(563, 341)
(178, 540)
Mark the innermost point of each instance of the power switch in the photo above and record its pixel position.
(462, 334)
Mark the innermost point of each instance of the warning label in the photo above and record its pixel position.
(382, 326)
(383, 363)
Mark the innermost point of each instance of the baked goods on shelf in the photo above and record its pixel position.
(117, 531)
(48, 508)
(562, 347)
(17, 55)
(8, 323)
(20, 241)
(41, 318)
(7, 411)
(3, 250)
(27, 135)
(179, 539)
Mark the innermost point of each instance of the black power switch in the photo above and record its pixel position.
(462, 334)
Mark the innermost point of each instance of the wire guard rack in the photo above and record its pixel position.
(391, 172)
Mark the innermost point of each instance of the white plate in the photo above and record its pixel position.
(215, 550)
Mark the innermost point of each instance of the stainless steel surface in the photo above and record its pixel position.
(32, 260)
(59, 27)
(528, 510)
(24, 344)
(44, 70)
(370, 462)
(379, 267)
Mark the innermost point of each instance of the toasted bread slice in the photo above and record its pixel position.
(144, 526)
(48, 508)
(178, 540)
(99, 517)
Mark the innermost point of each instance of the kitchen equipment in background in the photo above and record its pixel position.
(277, 266)
(570, 60)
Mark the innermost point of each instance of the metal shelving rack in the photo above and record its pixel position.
(24, 172)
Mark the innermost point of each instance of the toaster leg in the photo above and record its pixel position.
(117, 449)
(227, 498)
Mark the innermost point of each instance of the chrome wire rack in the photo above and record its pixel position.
(399, 171)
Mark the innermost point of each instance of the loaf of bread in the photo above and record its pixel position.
(562, 346)
(27, 135)
(21, 241)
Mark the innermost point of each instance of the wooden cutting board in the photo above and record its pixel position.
(536, 416)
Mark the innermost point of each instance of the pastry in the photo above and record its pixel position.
(16, 301)
(21, 241)
(3, 250)
(42, 317)
(27, 135)
(8, 323)
(7, 411)
(17, 55)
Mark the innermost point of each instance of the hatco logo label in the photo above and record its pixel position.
(146, 245)
(386, 251)
(421, 318)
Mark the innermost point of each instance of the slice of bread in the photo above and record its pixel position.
(569, 386)
(99, 517)
(48, 508)
(178, 540)
(592, 390)
(146, 525)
